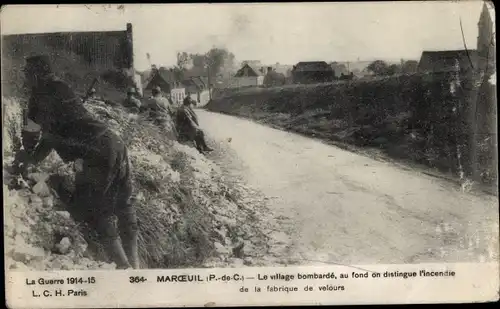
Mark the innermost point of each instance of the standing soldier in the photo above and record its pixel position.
(103, 186)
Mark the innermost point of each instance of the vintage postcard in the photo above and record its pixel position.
(250, 154)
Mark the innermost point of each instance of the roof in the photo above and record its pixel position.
(304, 66)
(166, 75)
(198, 82)
(444, 61)
(486, 15)
(254, 71)
(189, 82)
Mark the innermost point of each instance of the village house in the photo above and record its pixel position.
(446, 61)
(168, 83)
(197, 88)
(485, 41)
(248, 76)
(273, 78)
(312, 72)
(108, 54)
(339, 69)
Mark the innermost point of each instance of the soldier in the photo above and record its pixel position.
(189, 128)
(161, 111)
(131, 102)
(103, 186)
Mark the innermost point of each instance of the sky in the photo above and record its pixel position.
(279, 32)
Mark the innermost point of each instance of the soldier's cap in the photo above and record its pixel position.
(39, 63)
(157, 88)
(131, 90)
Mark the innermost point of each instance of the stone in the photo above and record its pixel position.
(18, 266)
(236, 262)
(248, 261)
(25, 253)
(220, 249)
(48, 202)
(82, 247)
(42, 189)
(38, 177)
(64, 214)
(64, 245)
(35, 200)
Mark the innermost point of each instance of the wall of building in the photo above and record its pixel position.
(246, 81)
(107, 49)
(178, 95)
(78, 54)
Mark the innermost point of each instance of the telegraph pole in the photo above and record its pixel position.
(207, 64)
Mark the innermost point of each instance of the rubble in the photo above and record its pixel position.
(190, 214)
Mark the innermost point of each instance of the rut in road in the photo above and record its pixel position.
(350, 209)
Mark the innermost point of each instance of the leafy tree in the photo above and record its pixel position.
(216, 62)
(220, 61)
(378, 67)
(393, 69)
(409, 66)
(183, 59)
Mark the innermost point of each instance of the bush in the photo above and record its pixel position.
(382, 112)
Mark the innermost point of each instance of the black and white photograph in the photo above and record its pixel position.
(233, 135)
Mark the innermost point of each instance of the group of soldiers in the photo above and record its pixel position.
(103, 186)
(182, 120)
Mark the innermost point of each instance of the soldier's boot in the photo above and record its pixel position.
(117, 254)
(129, 234)
(131, 249)
(111, 241)
(202, 142)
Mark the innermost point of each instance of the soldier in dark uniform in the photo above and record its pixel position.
(103, 186)
(131, 102)
(188, 127)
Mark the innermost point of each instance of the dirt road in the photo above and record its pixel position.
(349, 209)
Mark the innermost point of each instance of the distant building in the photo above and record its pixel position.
(312, 72)
(252, 63)
(273, 78)
(98, 52)
(339, 69)
(197, 88)
(486, 41)
(446, 61)
(248, 76)
(168, 83)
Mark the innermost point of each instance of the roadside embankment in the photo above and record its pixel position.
(413, 119)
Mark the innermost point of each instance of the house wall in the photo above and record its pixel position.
(178, 95)
(312, 77)
(204, 97)
(156, 81)
(246, 81)
(106, 49)
(77, 57)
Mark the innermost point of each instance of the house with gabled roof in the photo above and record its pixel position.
(248, 75)
(447, 61)
(486, 41)
(310, 72)
(168, 82)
